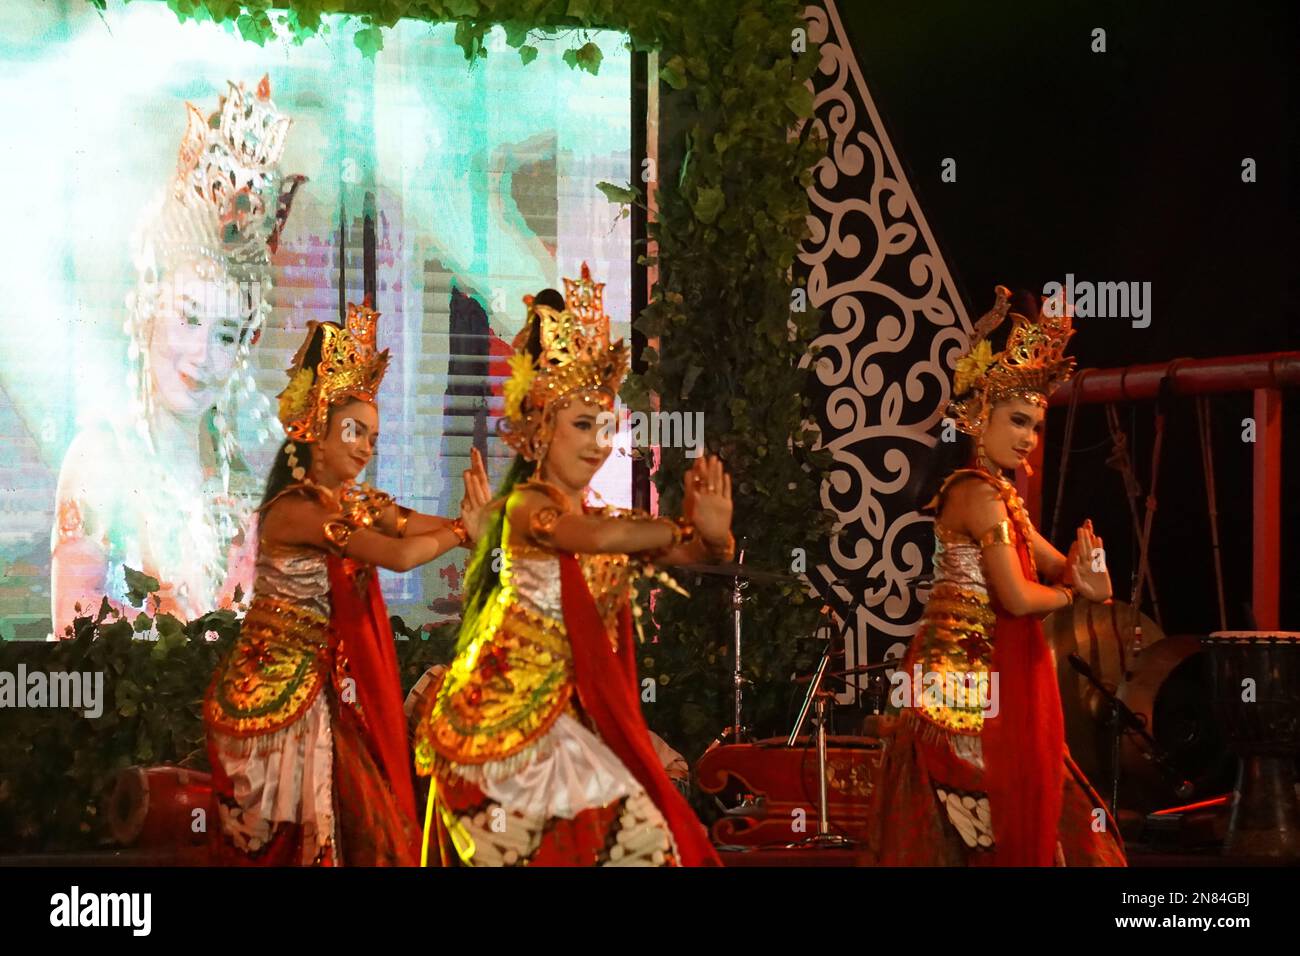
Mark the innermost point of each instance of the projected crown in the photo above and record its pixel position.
(350, 367)
(1032, 366)
(228, 198)
(576, 359)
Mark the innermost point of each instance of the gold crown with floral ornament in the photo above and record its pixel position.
(1031, 367)
(228, 200)
(350, 366)
(577, 360)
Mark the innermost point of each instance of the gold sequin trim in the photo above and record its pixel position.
(503, 692)
(273, 673)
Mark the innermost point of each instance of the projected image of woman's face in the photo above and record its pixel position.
(195, 340)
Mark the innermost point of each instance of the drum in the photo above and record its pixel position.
(1166, 682)
(421, 696)
(159, 807)
(1256, 677)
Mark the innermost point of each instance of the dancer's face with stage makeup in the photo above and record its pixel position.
(349, 443)
(195, 340)
(576, 452)
(1014, 429)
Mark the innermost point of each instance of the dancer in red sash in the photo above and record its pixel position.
(978, 773)
(534, 743)
(306, 736)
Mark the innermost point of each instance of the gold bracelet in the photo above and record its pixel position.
(681, 530)
(722, 552)
(1069, 593)
(688, 532)
(461, 532)
(403, 516)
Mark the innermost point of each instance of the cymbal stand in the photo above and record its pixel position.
(739, 733)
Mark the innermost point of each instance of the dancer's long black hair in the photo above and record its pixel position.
(483, 577)
(947, 457)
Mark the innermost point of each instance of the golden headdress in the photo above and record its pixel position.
(228, 200)
(576, 360)
(1031, 367)
(349, 367)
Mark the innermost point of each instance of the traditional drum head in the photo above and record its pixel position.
(1253, 637)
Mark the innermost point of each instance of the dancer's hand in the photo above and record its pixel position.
(478, 493)
(1092, 584)
(707, 502)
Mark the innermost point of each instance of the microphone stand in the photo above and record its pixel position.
(1121, 718)
(816, 697)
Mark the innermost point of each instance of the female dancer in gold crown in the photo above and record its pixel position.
(306, 735)
(978, 772)
(534, 742)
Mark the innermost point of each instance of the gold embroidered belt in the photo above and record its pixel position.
(502, 693)
(273, 673)
(954, 656)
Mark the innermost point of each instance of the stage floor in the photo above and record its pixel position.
(1139, 857)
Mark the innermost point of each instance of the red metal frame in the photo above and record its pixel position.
(1265, 375)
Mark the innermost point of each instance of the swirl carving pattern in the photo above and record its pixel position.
(892, 329)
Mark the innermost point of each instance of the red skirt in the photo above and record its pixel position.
(932, 806)
(349, 816)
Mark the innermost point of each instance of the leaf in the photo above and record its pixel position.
(800, 101)
(708, 203)
(620, 194)
(527, 54)
(117, 631)
(239, 593)
(589, 58)
(469, 37)
(250, 29)
(674, 73)
(369, 41)
(688, 381)
(138, 585)
(517, 32)
(170, 627)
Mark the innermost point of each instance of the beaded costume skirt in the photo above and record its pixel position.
(566, 800)
(932, 807)
(294, 780)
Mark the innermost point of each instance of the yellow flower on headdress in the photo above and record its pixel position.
(296, 395)
(520, 381)
(972, 365)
